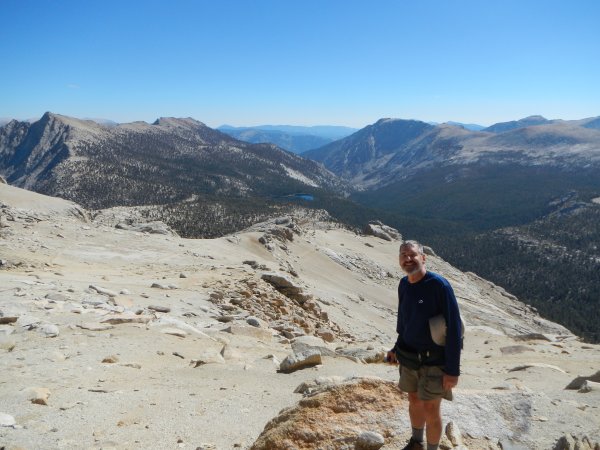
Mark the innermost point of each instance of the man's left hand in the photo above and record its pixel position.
(449, 381)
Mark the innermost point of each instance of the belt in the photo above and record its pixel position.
(427, 354)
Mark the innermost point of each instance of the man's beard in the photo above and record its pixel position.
(412, 270)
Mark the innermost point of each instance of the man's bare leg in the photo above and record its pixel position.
(433, 419)
(416, 412)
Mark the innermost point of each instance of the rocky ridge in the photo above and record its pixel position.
(174, 164)
(393, 149)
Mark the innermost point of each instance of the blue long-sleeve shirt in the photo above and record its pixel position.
(417, 303)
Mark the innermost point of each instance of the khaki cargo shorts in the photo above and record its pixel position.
(426, 382)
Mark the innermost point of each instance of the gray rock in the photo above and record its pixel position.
(428, 251)
(286, 286)
(362, 355)
(178, 323)
(28, 322)
(95, 326)
(255, 322)
(103, 291)
(174, 332)
(319, 384)
(534, 337)
(5, 320)
(38, 395)
(326, 334)
(303, 344)
(507, 444)
(589, 386)
(57, 297)
(297, 361)
(566, 442)
(6, 420)
(49, 330)
(377, 229)
(369, 440)
(163, 286)
(132, 365)
(280, 281)
(94, 301)
(124, 318)
(578, 382)
(228, 352)
(453, 434)
(226, 318)
(515, 349)
(155, 227)
(251, 263)
(158, 308)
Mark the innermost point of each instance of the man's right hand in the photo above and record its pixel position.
(391, 357)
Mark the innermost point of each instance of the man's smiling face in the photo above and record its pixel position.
(411, 260)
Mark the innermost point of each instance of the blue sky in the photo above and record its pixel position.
(300, 62)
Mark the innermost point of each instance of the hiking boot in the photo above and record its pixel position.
(414, 445)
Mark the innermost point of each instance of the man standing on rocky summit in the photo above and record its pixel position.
(428, 371)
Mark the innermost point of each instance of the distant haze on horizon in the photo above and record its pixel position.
(310, 63)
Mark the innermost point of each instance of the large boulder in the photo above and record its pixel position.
(297, 361)
(337, 417)
(378, 229)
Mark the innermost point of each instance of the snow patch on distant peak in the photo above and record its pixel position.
(298, 176)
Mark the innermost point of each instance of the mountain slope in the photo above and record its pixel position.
(393, 149)
(369, 149)
(132, 340)
(559, 257)
(176, 162)
(75, 159)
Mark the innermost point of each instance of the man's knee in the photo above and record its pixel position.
(432, 408)
(413, 398)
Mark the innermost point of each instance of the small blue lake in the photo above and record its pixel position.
(298, 196)
(304, 197)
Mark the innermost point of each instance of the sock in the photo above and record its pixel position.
(432, 446)
(417, 434)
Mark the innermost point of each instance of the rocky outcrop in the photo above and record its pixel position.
(335, 417)
(279, 303)
(579, 382)
(297, 361)
(349, 414)
(385, 232)
(571, 442)
(155, 227)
